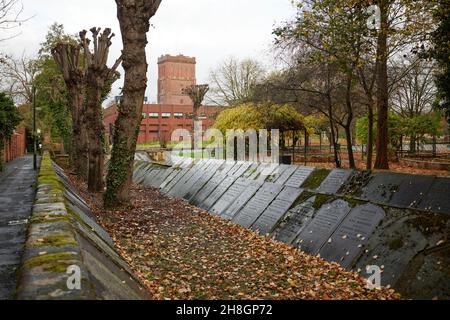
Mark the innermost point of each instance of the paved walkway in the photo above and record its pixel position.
(16, 200)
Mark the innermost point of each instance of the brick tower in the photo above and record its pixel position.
(174, 74)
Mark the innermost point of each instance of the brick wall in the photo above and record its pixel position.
(16, 146)
(159, 121)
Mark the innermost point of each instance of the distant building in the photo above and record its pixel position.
(173, 110)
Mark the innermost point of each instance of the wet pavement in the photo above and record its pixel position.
(17, 193)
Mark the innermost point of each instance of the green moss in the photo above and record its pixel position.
(56, 199)
(303, 198)
(48, 176)
(315, 179)
(429, 224)
(52, 262)
(322, 199)
(356, 183)
(57, 240)
(354, 202)
(396, 244)
(77, 217)
(40, 220)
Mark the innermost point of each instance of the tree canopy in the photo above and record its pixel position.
(261, 116)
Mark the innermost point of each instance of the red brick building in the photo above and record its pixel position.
(173, 110)
(15, 146)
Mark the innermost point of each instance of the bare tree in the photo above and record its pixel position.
(233, 81)
(17, 77)
(99, 78)
(10, 11)
(134, 19)
(414, 92)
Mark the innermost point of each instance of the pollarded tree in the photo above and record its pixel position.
(68, 58)
(134, 19)
(99, 78)
(197, 94)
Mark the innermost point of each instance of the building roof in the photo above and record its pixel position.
(179, 58)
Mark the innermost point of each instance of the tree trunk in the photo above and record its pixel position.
(381, 161)
(80, 138)
(347, 125)
(134, 19)
(370, 138)
(95, 132)
(67, 57)
(194, 122)
(333, 135)
(1, 154)
(412, 144)
(351, 157)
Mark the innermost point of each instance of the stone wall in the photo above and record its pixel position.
(64, 239)
(397, 222)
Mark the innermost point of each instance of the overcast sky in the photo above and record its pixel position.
(210, 30)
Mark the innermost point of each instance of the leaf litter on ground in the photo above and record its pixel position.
(182, 252)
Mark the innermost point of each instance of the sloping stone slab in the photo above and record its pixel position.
(298, 178)
(251, 189)
(177, 174)
(430, 269)
(226, 167)
(437, 197)
(110, 280)
(208, 169)
(285, 174)
(261, 173)
(295, 221)
(334, 181)
(142, 171)
(242, 169)
(236, 167)
(199, 185)
(185, 172)
(322, 225)
(179, 189)
(382, 187)
(207, 189)
(157, 176)
(230, 196)
(276, 210)
(412, 190)
(94, 226)
(218, 192)
(250, 170)
(350, 238)
(256, 206)
(401, 236)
